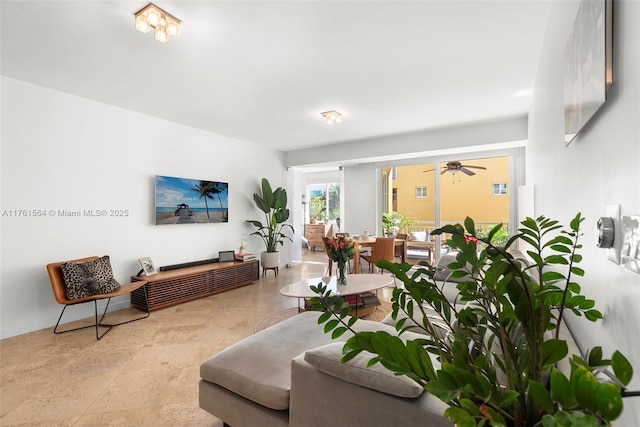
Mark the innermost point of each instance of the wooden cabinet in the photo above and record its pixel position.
(314, 234)
(184, 284)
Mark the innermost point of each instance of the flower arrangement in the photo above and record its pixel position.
(340, 249)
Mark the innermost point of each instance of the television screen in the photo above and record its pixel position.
(191, 201)
(588, 65)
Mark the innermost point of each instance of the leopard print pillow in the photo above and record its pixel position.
(83, 279)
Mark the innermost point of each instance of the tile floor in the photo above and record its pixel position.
(143, 373)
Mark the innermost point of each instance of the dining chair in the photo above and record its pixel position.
(383, 248)
(397, 252)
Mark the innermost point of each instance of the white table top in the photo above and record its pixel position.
(356, 284)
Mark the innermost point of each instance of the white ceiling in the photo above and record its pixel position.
(262, 71)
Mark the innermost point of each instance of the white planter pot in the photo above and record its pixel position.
(270, 259)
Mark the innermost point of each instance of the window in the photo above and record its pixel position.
(325, 200)
(421, 192)
(394, 173)
(500, 189)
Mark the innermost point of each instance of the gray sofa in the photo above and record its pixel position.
(289, 374)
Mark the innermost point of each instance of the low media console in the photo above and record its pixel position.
(183, 284)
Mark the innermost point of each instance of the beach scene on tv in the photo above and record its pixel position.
(191, 201)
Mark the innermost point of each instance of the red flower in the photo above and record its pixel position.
(471, 239)
(340, 248)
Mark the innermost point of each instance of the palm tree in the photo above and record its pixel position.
(217, 188)
(204, 190)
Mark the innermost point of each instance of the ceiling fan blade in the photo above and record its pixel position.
(474, 167)
(467, 171)
(428, 170)
(444, 171)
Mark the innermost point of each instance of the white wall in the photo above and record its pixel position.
(65, 152)
(601, 166)
(361, 199)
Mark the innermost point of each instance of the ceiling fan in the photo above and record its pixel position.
(456, 166)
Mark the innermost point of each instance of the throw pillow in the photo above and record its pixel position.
(327, 359)
(443, 272)
(83, 279)
(419, 236)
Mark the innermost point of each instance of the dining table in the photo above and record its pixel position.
(368, 242)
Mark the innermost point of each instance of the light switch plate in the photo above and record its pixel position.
(613, 253)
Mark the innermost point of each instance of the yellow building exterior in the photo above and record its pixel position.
(483, 196)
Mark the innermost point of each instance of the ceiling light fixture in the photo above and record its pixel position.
(165, 25)
(331, 117)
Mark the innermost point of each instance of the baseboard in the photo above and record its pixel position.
(68, 317)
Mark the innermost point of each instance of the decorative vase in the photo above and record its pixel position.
(342, 276)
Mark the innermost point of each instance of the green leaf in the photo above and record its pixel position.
(556, 259)
(444, 392)
(561, 390)
(575, 222)
(338, 332)
(581, 419)
(509, 397)
(609, 401)
(330, 325)
(549, 421)
(621, 367)
(553, 351)
(552, 276)
(470, 226)
(577, 271)
(324, 317)
(561, 248)
(595, 356)
(585, 386)
(470, 406)
(593, 315)
(460, 417)
(541, 396)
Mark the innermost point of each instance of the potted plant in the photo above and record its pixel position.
(274, 205)
(498, 354)
(390, 223)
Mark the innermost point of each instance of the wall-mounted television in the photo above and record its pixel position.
(191, 201)
(588, 70)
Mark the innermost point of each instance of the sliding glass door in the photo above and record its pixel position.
(429, 195)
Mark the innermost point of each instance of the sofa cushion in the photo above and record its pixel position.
(258, 367)
(327, 359)
(84, 279)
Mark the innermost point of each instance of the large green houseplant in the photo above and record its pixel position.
(498, 354)
(273, 231)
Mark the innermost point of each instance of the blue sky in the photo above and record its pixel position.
(172, 191)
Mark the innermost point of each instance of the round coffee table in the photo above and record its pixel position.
(356, 284)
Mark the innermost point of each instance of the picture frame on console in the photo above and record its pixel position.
(148, 268)
(226, 256)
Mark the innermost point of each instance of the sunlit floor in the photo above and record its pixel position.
(142, 373)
